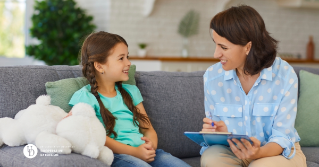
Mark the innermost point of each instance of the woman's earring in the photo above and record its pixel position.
(102, 72)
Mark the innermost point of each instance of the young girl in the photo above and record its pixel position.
(130, 134)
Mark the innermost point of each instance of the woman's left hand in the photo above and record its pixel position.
(245, 150)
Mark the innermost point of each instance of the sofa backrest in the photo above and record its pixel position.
(174, 101)
(20, 86)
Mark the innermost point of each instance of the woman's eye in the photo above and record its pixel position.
(121, 58)
(223, 48)
(128, 57)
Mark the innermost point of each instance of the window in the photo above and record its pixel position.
(12, 29)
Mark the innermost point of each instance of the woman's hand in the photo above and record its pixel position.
(145, 152)
(245, 150)
(219, 126)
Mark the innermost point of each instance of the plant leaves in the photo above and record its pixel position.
(59, 26)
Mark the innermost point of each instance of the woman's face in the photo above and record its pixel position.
(231, 56)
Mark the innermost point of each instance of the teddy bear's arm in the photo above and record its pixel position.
(19, 114)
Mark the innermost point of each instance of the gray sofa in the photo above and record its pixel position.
(174, 102)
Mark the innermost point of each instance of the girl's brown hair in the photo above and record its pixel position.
(243, 24)
(96, 48)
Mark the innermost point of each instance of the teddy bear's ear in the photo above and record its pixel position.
(43, 100)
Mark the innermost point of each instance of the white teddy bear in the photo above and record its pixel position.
(43, 125)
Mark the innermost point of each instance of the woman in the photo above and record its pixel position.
(250, 92)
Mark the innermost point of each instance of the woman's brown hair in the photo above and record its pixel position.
(96, 48)
(243, 24)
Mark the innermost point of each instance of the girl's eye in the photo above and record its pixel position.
(121, 58)
(223, 48)
(128, 57)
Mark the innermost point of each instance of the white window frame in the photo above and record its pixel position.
(26, 60)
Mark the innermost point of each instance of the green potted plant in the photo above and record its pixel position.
(60, 27)
(188, 27)
(142, 49)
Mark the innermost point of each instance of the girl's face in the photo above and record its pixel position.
(117, 65)
(231, 56)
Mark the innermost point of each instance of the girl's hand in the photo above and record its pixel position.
(69, 114)
(246, 150)
(148, 142)
(219, 126)
(145, 152)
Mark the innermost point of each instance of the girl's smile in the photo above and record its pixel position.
(125, 71)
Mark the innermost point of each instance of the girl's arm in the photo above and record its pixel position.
(119, 148)
(69, 114)
(143, 152)
(150, 132)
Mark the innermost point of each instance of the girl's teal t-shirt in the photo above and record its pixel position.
(127, 132)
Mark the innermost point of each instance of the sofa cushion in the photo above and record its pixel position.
(194, 161)
(298, 68)
(174, 101)
(13, 156)
(308, 109)
(61, 91)
(312, 164)
(311, 154)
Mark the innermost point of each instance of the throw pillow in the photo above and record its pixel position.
(308, 110)
(61, 91)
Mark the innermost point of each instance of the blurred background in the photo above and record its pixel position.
(163, 35)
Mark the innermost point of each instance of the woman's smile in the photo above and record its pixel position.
(223, 62)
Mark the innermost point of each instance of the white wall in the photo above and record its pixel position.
(159, 30)
(99, 9)
(291, 27)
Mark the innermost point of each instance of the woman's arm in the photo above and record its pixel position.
(270, 149)
(283, 131)
(245, 150)
(219, 125)
(150, 132)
